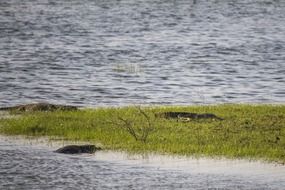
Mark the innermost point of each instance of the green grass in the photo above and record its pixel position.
(248, 131)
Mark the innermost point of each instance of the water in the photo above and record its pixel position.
(33, 165)
(120, 52)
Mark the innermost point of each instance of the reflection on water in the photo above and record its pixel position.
(87, 52)
(32, 165)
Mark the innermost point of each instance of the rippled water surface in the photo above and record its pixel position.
(33, 165)
(118, 52)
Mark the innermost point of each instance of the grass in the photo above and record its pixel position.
(247, 131)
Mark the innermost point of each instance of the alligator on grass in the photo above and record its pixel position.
(78, 149)
(39, 107)
(187, 116)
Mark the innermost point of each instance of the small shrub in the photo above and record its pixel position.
(137, 123)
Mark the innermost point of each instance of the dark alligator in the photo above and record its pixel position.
(78, 149)
(39, 107)
(186, 116)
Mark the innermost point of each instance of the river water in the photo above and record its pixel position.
(32, 164)
(120, 52)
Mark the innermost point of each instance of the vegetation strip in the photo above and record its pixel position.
(245, 131)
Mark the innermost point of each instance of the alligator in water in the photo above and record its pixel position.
(187, 116)
(78, 149)
(39, 107)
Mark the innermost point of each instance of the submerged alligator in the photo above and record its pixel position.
(78, 149)
(39, 107)
(187, 116)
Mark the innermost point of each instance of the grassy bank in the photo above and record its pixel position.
(247, 131)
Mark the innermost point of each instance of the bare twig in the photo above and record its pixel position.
(139, 134)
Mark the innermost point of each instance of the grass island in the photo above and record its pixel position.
(242, 131)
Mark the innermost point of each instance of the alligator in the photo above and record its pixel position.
(187, 116)
(78, 149)
(39, 107)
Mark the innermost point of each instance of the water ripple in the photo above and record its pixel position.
(157, 52)
(35, 166)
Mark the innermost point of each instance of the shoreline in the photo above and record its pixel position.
(248, 131)
(166, 161)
